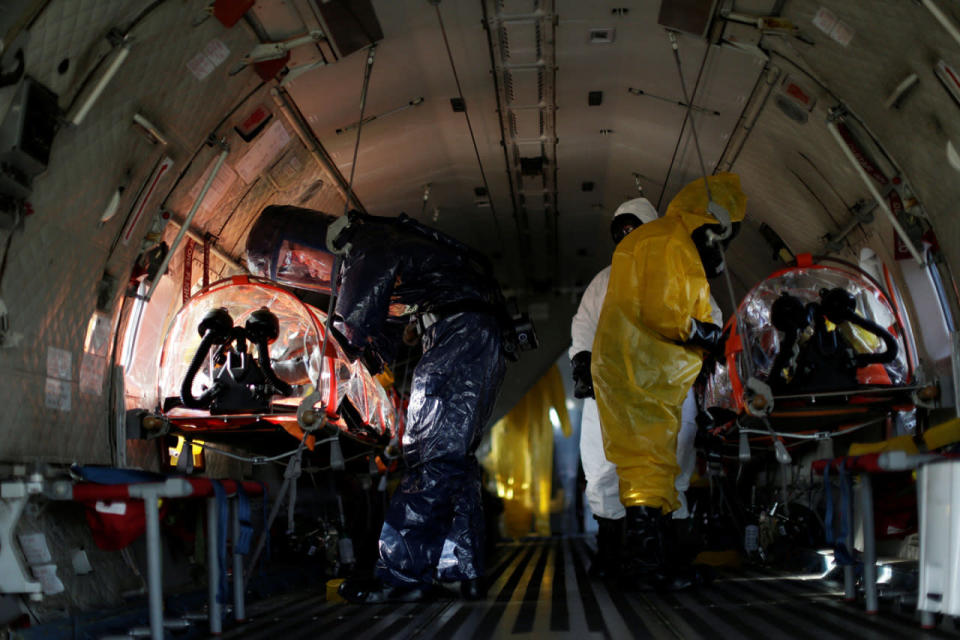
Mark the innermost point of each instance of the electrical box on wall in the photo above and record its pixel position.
(27, 131)
(26, 136)
(350, 26)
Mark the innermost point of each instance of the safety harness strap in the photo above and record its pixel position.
(245, 536)
(219, 537)
(842, 554)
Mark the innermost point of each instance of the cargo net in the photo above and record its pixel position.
(796, 348)
(294, 355)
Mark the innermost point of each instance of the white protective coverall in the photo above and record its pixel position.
(603, 485)
(686, 454)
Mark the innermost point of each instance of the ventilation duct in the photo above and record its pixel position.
(689, 16)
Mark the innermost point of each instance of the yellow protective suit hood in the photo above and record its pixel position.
(641, 374)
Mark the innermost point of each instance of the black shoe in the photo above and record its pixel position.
(475, 589)
(375, 592)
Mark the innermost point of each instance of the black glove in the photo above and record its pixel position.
(709, 337)
(372, 361)
(582, 380)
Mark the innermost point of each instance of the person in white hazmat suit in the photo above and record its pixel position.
(603, 493)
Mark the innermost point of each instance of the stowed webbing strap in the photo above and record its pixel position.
(245, 535)
(841, 553)
(221, 538)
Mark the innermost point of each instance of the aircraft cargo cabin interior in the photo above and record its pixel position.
(479, 318)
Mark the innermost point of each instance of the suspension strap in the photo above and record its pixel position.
(219, 537)
(187, 269)
(207, 241)
(242, 544)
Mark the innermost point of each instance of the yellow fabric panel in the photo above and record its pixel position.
(641, 375)
(935, 437)
(900, 443)
(385, 378)
(860, 339)
(521, 456)
(641, 380)
(729, 559)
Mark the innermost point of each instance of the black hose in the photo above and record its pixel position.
(186, 388)
(263, 359)
(885, 357)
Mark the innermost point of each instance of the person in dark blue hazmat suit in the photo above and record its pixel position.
(433, 529)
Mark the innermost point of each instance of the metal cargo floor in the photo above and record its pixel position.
(540, 589)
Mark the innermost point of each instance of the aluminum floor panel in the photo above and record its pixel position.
(540, 589)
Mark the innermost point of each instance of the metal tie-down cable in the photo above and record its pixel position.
(758, 398)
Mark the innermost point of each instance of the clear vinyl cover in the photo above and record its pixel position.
(761, 340)
(295, 354)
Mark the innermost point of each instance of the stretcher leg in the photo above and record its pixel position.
(213, 568)
(154, 566)
(239, 613)
(849, 582)
(869, 543)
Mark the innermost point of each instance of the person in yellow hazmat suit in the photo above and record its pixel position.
(654, 329)
(602, 492)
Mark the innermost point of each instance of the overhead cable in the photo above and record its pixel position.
(466, 113)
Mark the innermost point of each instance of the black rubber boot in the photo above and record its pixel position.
(643, 545)
(606, 564)
(679, 572)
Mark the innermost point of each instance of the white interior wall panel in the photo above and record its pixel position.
(891, 40)
(61, 253)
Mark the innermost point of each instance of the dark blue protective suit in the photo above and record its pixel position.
(395, 266)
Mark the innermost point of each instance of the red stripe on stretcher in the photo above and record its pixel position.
(854, 145)
(895, 305)
(332, 396)
(187, 269)
(733, 347)
(206, 262)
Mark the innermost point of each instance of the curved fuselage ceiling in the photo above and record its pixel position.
(516, 126)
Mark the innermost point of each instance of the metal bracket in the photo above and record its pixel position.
(14, 578)
(307, 416)
(275, 50)
(295, 72)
